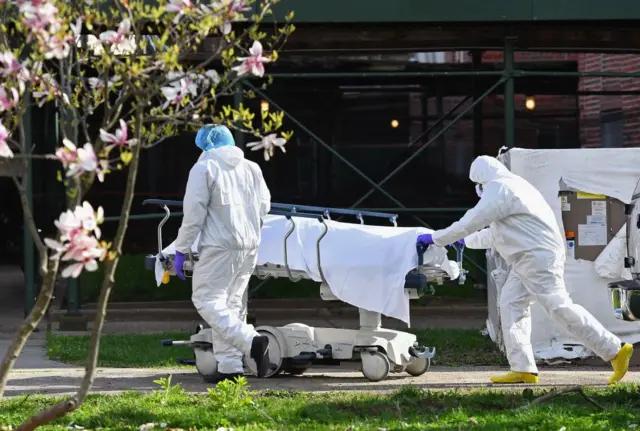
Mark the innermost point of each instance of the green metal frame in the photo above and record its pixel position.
(432, 12)
(506, 76)
(378, 186)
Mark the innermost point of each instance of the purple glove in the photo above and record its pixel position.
(425, 239)
(178, 263)
(458, 242)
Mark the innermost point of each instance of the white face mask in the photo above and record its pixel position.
(479, 190)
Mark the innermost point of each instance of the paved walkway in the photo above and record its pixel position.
(114, 381)
(33, 356)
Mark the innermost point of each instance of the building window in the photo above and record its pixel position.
(612, 129)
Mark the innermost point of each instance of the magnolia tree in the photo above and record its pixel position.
(123, 77)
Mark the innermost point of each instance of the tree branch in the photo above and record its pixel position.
(61, 409)
(554, 393)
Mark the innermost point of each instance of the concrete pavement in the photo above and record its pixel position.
(34, 354)
(346, 378)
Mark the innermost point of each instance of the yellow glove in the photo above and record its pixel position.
(165, 277)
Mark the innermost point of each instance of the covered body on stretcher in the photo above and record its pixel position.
(375, 268)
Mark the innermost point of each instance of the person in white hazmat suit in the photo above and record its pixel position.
(225, 201)
(524, 231)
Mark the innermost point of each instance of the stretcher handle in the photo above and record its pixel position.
(462, 278)
(162, 203)
(340, 211)
(421, 250)
(459, 251)
(286, 250)
(289, 214)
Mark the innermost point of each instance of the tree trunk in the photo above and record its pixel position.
(61, 409)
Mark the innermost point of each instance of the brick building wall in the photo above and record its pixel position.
(610, 120)
(605, 120)
(553, 123)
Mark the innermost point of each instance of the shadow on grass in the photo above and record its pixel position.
(459, 347)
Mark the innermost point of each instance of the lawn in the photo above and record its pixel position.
(454, 347)
(232, 406)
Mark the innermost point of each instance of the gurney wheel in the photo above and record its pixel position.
(418, 366)
(375, 365)
(275, 352)
(206, 363)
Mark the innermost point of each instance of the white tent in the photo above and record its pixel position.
(611, 172)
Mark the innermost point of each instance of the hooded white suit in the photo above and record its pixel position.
(524, 231)
(225, 202)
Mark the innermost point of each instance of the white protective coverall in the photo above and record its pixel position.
(225, 202)
(524, 231)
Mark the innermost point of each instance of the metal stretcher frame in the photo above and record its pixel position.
(417, 279)
(379, 350)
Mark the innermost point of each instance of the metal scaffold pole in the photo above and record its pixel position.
(509, 93)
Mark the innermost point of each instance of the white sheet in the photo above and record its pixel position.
(613, 172)
(364, 266)
(610, 263)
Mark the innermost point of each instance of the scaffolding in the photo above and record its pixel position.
(482, 80)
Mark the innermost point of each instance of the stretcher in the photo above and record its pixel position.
(296, 347)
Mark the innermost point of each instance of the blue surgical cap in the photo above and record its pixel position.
(210, 137)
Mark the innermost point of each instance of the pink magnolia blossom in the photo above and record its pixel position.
(47, 88)
(69, 225)
(98, 84)
(102, 170)
(268, 144)
(232, 11)
(90, 219)
(120, 139)
(175, 95)
(5, 151)
(118, 39)
(6, 102)
(38, 16)
(236, 7)
(67, 154)
(83, 249)
(190, 82)
(78, 161)
(254, 63)
(34, 3)
(87, 161)
(85, 254)
(79, 235)
(76, 28)
(179, 6)
(56, 47)
(10, 66)
(210, 77)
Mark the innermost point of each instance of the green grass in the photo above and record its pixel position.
(454, 347)
(232, 406)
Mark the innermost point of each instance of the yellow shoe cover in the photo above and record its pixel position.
(621, 363)
(515, 377)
